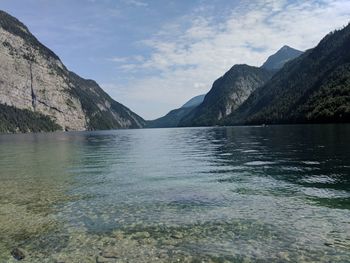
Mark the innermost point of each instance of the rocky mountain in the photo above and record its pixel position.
(35, 85)
(276, 61)
(173, 117)
(227, 93)
(231, 90)
(315, 87)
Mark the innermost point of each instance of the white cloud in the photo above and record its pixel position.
(136, 3)
(188, 56)
(118, 59)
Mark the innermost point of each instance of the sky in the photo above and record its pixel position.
(154, 55)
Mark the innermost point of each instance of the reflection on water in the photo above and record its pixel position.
(264, 194)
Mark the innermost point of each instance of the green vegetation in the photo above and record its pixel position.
(331, 102)
(16, 120)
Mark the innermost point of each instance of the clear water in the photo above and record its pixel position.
(241, 194)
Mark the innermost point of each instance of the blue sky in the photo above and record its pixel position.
(154, 55)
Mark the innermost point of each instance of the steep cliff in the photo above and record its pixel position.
(33, 78)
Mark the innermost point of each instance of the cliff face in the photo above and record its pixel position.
(101, 111)
(33, 78)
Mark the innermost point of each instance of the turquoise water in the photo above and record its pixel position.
(240, 194)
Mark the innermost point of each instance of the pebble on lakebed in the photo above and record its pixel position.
(141, 235)
(100, 259)
(18, 253)
(109, 254)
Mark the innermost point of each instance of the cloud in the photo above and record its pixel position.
(131, 59)
(187, 55)
(136, 3)
(118, 59)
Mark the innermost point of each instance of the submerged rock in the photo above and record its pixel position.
(109, 254)
(140, 235)
(177, 235)
(18, 253)
(100, 259)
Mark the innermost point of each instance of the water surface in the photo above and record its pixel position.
(240, 194)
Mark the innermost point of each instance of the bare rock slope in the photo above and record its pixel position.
(33, 78)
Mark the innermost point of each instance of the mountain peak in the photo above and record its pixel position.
(17, 28)
(286, 47)
(282, 56)
(12, 24)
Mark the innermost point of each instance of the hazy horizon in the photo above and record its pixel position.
(153, 57)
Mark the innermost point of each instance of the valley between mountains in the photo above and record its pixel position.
(39, 94)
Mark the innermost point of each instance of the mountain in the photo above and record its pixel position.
(101, 110)
(282, 56)
(173, 117)
(313, 88)
(227, 93)
(37, 88)
(195, 101)
(234, 87)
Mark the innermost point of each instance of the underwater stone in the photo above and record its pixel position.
(109, 254)
(100, 259)
(18, 253)
(141, 235)
(177, 235)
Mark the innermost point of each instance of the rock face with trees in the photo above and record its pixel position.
(226, 95)
(313, 88)
(232, 89)
(35, 85)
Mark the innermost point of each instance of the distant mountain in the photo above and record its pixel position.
(282, 56)
(227, 93)
(38, 93)
(194, 101)
(315, 87)
(231, 90)
(173, 117)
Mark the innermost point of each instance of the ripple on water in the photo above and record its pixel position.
(259, 163)
(236, 194)
(250, 151)
(311, 162)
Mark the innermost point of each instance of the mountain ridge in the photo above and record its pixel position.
(33, 78)
(313, 88)
(195, 101)
(230, 90)
(172, 118)
(226, 94)
(277, 60)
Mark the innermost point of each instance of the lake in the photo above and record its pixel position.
(235, 194)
